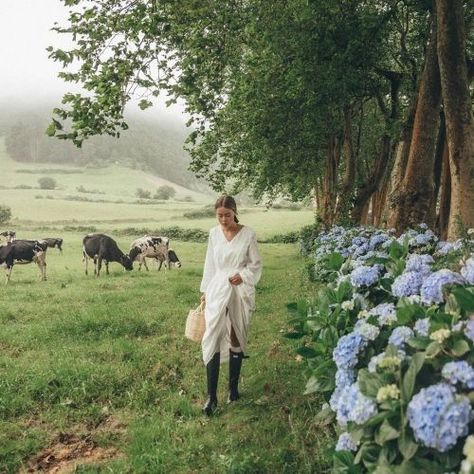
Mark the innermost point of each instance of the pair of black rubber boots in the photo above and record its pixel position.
(212, 368)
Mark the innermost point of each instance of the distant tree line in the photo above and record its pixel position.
(364, 105)
(153, 147)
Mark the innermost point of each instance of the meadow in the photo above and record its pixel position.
(96, 374)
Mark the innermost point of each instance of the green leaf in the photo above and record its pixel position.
(460, 347)
(433, 350)
(306, 351)
(386, 433)
(369, 383)
(420, 342)
(292, 309)
(408, 383)
(294, 335)
(312, 385)
(407, 445)
(464, 297)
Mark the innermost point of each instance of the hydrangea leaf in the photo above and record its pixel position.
(460, 347)
(464, 297)
(409, 378)
(369, 383)
(386, 433)
(433, 350)
(407, 445)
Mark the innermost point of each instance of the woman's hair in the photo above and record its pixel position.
(229, 203)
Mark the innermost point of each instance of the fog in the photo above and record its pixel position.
(27, 75)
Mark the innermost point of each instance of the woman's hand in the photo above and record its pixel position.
(235, 280)
(203, 298)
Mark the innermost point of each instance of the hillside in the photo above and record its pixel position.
(153, 145)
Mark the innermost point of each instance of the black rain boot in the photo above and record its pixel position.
(212, 369)
(235, 364)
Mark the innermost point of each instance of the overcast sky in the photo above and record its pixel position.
(26, 72)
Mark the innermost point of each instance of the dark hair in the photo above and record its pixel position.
(229, 203)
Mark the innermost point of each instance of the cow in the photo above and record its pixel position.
(150, 246)
(54, 243)
(21, 252)
(10, 235)
(173, 260)
(101, 247)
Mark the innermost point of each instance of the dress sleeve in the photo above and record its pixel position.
(209, 265)
(253, 269)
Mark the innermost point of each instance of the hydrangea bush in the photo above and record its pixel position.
(389, 343)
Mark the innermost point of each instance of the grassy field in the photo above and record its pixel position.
(98, 377)
(34, 208)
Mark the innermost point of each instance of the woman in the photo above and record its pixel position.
(231, 271)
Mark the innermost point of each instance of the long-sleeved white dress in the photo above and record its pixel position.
(224, 259)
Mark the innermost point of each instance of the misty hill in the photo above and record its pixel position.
(151, 145)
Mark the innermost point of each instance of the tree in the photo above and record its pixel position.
(165, 192)
(293, 98)
(47, 183)
(458, 111)
(5, 214)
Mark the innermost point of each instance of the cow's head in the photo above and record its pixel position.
(127, 263)
(174, 260)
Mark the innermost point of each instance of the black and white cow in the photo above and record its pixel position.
(10, 235)
(150, 246)
(21, 252)
(54, 243)
(100, 247)
(173, 260)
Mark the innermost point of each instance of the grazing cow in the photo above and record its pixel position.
(100, 247)
(173, 260)
(10, 235)
(54, 243)
(23, 251)
(149, 246)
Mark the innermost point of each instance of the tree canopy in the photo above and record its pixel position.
(286, 97)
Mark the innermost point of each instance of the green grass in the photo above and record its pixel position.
(53, 211)
(84, 356)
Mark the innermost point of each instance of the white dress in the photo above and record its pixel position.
(224, 259)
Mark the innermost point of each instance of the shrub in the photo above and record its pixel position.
(165, 192)
(5, 214)
(47, 183)
(143, 193)
(208, 211)
(389, 344)
(175, 232)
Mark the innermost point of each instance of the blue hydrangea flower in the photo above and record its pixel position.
(443, 248)
(469, 329)
(344, 378)
(419, 263)
(422, 327)
(400, 336)
(385, 312)
(459, 371)
(467, 271)
(365, 276)
(422, 239)
(346, 443)
(407, 284)
(438, 418)
(377, 239)
(432, 287)
(352, 405)
(347, 349)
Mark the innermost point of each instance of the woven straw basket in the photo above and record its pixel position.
(195, 324)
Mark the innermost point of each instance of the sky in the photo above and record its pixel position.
(26, 73)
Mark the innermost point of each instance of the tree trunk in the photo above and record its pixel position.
(330, 182)
(344, 201)
(458, 112)
(438, 166)
(365, 192)
(445, 196)
(416, 195)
